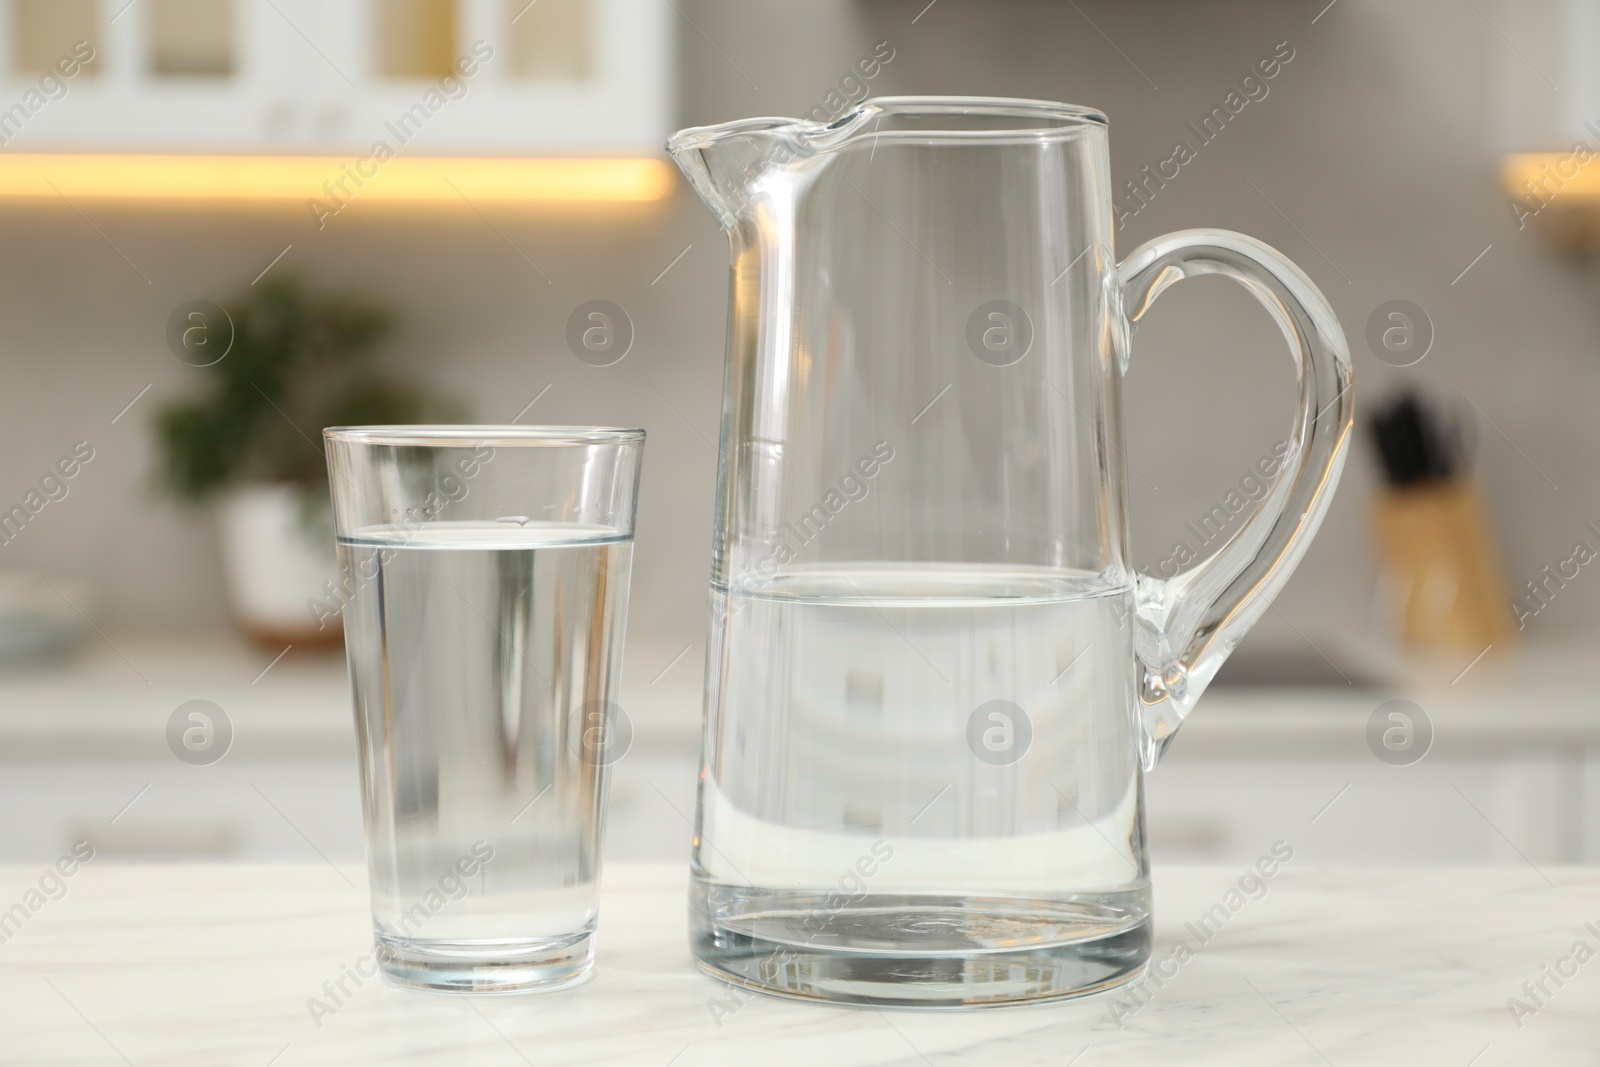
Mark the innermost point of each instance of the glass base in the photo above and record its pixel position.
(926, 952)
(502, 966)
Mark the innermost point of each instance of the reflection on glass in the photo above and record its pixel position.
(191, 38)
(415, 38)
(45, 30)
(548, 39)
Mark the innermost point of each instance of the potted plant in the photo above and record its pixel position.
(249, 444)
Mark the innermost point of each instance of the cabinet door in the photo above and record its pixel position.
(1512, 810)
(553, 76)
(138, 811)
(159, 81)
(429, 77)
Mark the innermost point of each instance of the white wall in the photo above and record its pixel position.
(1374, 143)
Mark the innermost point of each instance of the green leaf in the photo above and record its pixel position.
(300, 360)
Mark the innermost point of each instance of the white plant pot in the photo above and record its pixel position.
(279, 563)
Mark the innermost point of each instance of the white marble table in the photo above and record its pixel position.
(214, 965)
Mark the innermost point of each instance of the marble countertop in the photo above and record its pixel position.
(205, 965)
(112, 703)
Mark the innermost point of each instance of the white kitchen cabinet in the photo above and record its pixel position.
(1516, 812)
(548, 77)
(1512, 776)
(271, 811)
(279, 811)
(1350, 812)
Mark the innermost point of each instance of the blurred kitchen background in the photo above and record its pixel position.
(1382, 156)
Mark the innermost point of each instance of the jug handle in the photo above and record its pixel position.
(1185, 626)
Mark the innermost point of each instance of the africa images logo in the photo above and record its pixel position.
(1252, 88)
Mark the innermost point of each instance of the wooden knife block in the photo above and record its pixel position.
(1440, 552)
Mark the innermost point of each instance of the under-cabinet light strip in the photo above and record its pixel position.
(330, 180)
(1540, 177)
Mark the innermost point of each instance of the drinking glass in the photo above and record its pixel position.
(484, 574)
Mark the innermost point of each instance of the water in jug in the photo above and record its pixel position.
(934, 678)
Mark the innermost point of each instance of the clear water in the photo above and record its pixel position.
(861, 839)
(477, 652)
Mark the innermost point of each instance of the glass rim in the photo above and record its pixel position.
(466, 435)
(1030, 121)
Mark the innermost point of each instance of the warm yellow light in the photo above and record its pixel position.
(1553, 175)
(325, 178)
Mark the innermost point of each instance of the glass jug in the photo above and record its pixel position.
(934, 679)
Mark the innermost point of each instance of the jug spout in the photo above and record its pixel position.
(730, 165)
(726, 163)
